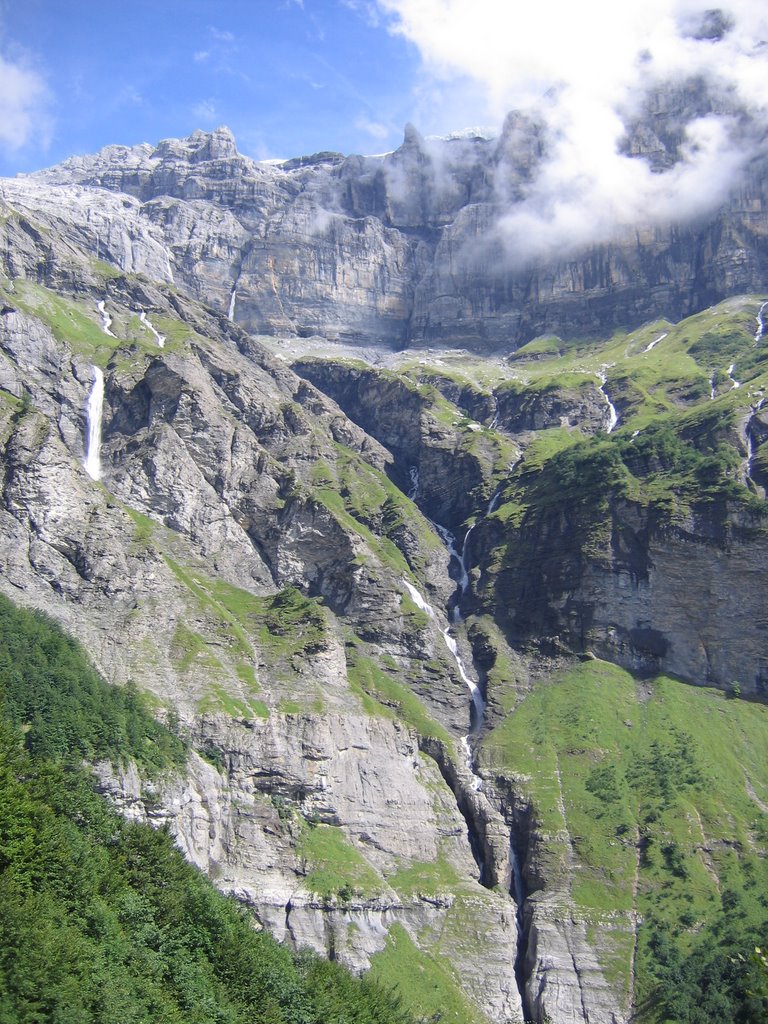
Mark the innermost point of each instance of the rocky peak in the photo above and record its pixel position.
(199, 147)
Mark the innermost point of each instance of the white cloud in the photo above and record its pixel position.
(366, 8)
(373, 128)
(221, 35)
(201, 55)
(24, 101)
(585, 67)
(205, 111)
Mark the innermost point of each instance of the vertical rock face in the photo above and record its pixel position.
(649, 596)
(405, 248)
(182, 569)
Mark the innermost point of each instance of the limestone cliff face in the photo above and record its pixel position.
(399, 249)
(245, 825)
(650, 595)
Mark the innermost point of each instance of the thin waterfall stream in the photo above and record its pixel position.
(477, 710)
(159, 338)
(94, 410)
(613, 416)
(106, 319)
(760, 324)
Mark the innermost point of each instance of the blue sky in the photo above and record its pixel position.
(288, 77)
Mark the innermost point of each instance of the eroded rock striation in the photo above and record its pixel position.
(404, 248)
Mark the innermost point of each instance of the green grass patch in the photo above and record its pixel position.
(336, 870)
(427, 984)
(658, 787)
(427, 878)
(68, 320)
(219, 699)
(191, 649)
(366, 676)
(144, 527)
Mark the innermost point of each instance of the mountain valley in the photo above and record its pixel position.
(449, 580)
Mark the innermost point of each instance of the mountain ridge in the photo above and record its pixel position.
(408, 248)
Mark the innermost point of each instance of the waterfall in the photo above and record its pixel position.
(94, 411)
(653, 344)
(760, 324)
(413, 472)
(450, 542)
(418, 600)
(755, 409)
(160, 338)
(613, 416)
(478, 704)
(232, 299)
(729, 371)
(462, 558)
(106, 319)
(495, 421)
(493, 504)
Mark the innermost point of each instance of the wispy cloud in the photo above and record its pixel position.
(205, 111)
(24, 105)
(366, 8)
(585, 68)
(129, 95)
(221, 35)
(375, 129)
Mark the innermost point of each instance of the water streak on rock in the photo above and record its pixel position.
(94, 413)
(106, 319)
(160, 338)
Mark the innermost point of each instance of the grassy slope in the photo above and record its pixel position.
(662, 789)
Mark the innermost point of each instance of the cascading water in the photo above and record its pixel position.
(106, 319)
(751, 441)
(613, 416)
(495, 421)
(232, 300)
(653, 344)
(94, 411)
(160, 338)
(461, 576)
(760, 323)
(729, 371)
(478, 705)
(413, 473)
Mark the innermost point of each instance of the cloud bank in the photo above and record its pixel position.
(586, 70)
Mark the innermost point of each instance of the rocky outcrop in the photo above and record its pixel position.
(650, 595)
(179, 570)
(452, 463)
(577, 404)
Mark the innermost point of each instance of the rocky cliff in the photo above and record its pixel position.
(342, 581)
(405, 248)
